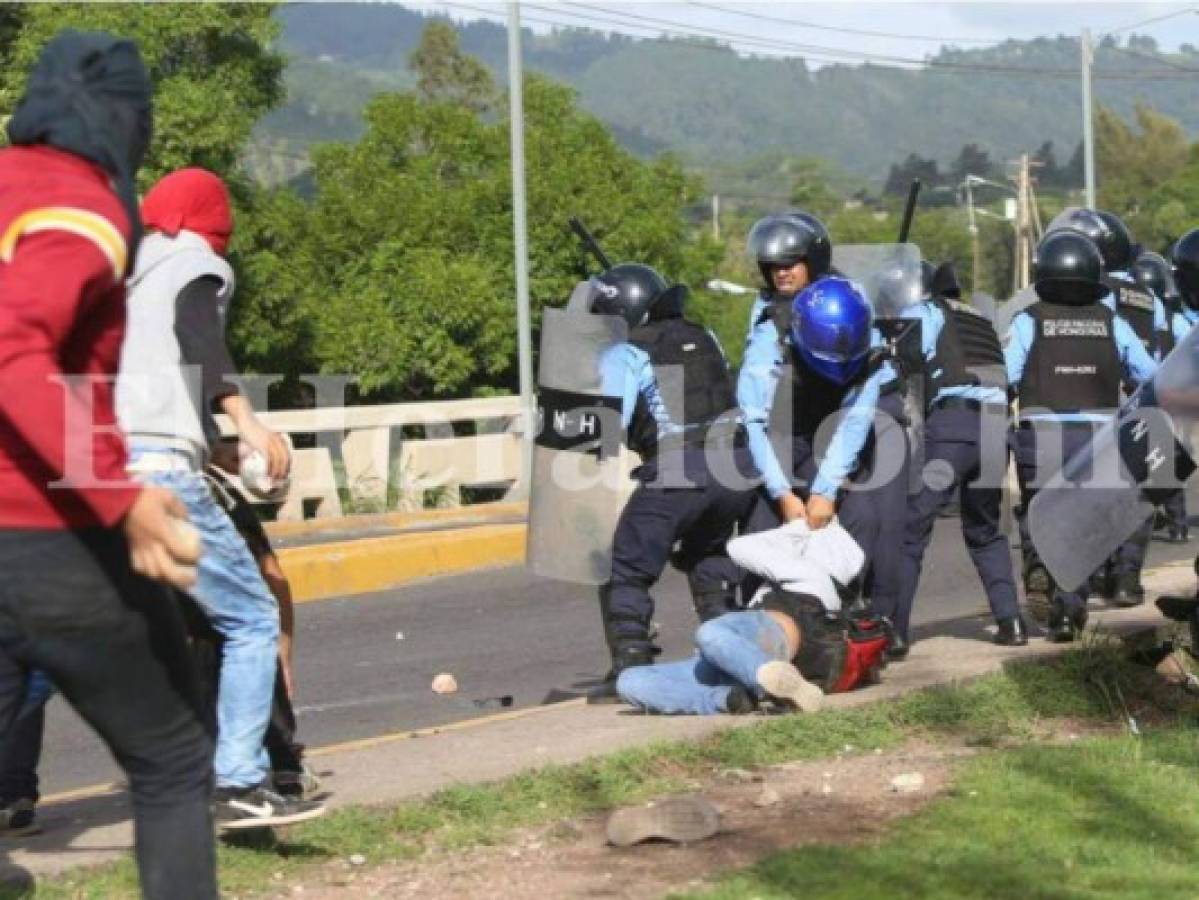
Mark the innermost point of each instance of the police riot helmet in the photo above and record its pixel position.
(789, 238)
(897, 287)
(831, 328)
(1068, 269)
(945, 282)
(1105, 229)
(629, 290)
(1184, 256)
(1153, 274)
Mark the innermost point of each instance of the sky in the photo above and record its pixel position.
(897, 30)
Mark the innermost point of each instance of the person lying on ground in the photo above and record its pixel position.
(789, 647)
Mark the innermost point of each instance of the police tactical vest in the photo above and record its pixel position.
(1073, 363)
(690, 368)
(1135, 307)
(968, 349)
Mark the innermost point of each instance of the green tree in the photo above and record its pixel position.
(445, 73)
(1132, 162)
(405, 266)
(214, 75)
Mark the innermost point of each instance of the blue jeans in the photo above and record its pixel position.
(239, 605)
(731, 649)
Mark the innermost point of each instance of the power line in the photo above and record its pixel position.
(810, 49)
(841, 29)
(1150, 21)
(807, 51)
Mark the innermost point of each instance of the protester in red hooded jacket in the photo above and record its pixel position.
(74, 530)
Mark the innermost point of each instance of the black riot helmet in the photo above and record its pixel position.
(629, 290)
(1184, 256)
(1153, 274)
(1067, 269)
(789, 238)
(1105, 229)
(945, 282)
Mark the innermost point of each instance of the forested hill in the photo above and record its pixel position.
(711, 105)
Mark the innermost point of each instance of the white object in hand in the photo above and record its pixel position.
(255, 477)
(190, 538)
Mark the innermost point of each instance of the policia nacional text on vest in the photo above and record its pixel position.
(1074, 364)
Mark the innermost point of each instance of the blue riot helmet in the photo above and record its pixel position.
(628, 290)
(831, 328)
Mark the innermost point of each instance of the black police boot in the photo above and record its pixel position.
(1065, 624)
(1103, 582)
(711, 599)
(1012, 632)
(625, 656)
(1128, 591)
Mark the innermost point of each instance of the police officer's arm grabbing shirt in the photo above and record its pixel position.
(757, 384)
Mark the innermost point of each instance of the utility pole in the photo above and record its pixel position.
(716, 216)
(1024, 226)
(1088, 129)
(524, 331)
(976, 262)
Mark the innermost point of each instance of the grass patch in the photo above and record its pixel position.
(1113, 817)
(1081, 685)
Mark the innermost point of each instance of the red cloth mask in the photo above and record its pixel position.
(194, 200)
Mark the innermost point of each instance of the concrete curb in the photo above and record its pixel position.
(85, 828)
(321, 571)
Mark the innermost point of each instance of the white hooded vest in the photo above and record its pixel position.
(158, 398)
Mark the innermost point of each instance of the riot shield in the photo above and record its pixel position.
(575, 497)
(1100, 496)
(1011, 307)
(891, 278)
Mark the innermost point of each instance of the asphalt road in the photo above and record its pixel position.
(365, 664)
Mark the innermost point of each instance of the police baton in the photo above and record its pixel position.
(909, 210)
(589, 242)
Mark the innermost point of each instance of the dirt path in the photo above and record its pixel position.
(845, 799)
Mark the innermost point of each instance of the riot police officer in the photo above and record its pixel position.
(1154, 275)
(680, 414)
(964, 436)
(812, 376)
(1147, 315)
(1066, 356)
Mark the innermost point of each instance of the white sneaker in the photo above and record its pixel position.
(782, 681)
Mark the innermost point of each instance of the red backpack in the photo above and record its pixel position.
(839, 651)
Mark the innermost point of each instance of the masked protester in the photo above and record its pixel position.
(175, 371)
(78, 538)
